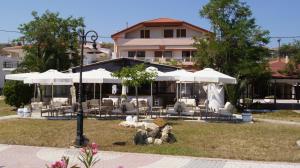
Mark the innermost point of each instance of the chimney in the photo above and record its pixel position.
(286, 59)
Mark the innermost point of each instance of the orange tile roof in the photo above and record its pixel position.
(278, 65)
(163, 20)
(158, 22)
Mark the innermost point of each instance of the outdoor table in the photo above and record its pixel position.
(157, 109)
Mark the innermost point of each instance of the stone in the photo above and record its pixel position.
(298, 143)
(166, 129)
(140, 137)
(154, 133)
(171, 138)
(157, 141)
(150, 126)
(149, 140)
(160, 122)
(164, 137)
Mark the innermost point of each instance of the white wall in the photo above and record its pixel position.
(5, 71)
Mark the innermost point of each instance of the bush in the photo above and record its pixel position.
(17, 94)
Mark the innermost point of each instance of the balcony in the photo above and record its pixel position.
(157, 42)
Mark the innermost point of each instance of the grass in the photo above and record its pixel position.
(6, 109)
(287, 115)
(259, 141)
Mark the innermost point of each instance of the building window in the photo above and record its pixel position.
(131, 54)
(145, 33)
(168, 54)
(186, 55)
(168, 33)
(181, 33)
(137, 54)
(140, 54)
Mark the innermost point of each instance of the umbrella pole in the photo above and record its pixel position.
(34, 92)
(185, 89)
(100, 84)
(180, 90)
(52, 90)
(94, 90)
(151, 98)
(206, 104)
(176, 91)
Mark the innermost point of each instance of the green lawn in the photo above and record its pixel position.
(6, 109)
(258, 141)
(287, 115)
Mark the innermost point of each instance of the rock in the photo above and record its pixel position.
(298, 143)
(149, 140)
(154, 133)
(150, 126)
(171, 138)
(140, 137)
(164, 137)
(166, 129)
(160, 122)
(157, 141)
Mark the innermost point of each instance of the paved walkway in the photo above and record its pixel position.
(277, 121)
(12, 156)
(8, 117)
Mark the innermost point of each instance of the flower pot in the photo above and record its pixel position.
(247, 117)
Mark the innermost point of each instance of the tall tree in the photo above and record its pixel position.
(48, 38)
(237, 46)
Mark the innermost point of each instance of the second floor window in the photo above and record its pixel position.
(168, 33)
(145, 33)
(181, 32)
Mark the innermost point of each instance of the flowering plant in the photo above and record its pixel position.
(63, 163)
(86, 156)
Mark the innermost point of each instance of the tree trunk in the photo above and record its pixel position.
(137, 102)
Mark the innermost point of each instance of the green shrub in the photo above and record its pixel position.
(17, 94)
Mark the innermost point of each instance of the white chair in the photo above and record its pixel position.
(226, 111)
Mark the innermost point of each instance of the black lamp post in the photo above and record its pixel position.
(83, 40)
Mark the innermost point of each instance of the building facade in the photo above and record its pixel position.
(7, 65)
(158, 40)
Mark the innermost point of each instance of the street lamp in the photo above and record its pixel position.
(79, 141)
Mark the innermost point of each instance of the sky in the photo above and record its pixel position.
(280, 17)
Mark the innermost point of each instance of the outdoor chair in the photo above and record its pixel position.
(72, 110)
(226, 111)
(94, 106)
(49, 110)
(86, 110)
(107, 107)
(180, 109)
(130, 108)
(143, 107)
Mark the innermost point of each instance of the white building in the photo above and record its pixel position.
(158, 40)
(7, 65)
(92, 55)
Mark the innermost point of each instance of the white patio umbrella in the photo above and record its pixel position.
(161, 76)
(20, 76)
(181, 76)
(209, 76)
(50, 77)
(96, 76)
